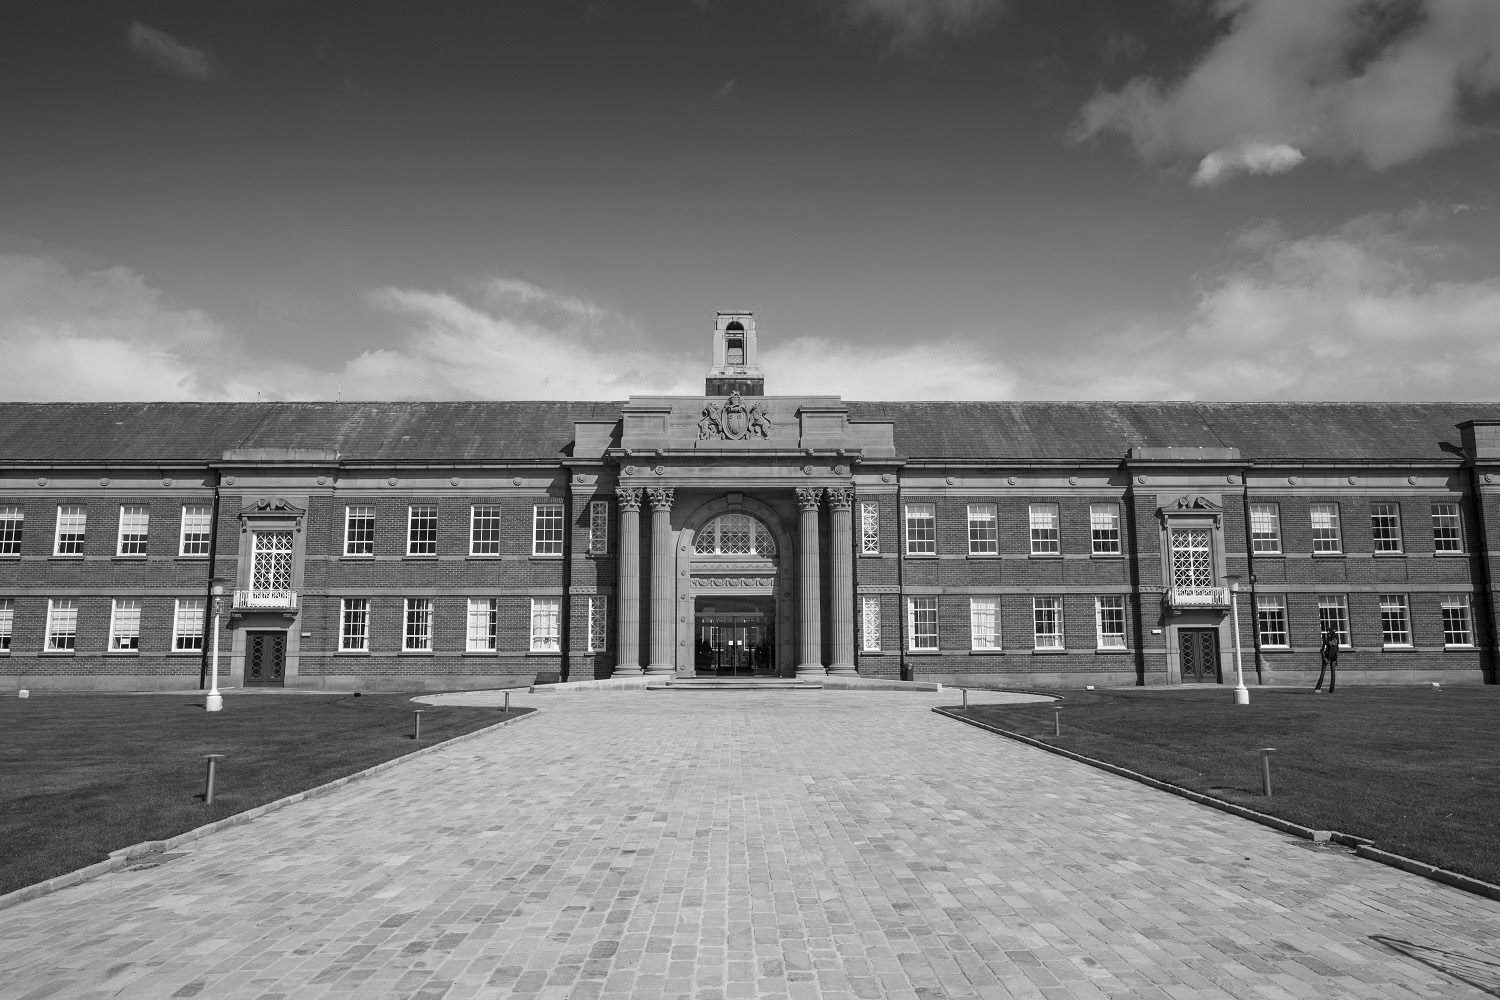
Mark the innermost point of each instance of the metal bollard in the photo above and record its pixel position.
(1265, 770)
(506, 709)
(1057, 722)
(208, 785)
(966, 697)
(418, 734)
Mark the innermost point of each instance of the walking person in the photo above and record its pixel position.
(1330, 661)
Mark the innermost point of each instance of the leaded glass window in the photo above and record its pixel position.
(869, 528)
(1192, 558)
(599, 527)
(598, 623)
(271, 561)
(734, 535)
(869, 624)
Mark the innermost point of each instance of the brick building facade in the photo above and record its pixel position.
(453, 545)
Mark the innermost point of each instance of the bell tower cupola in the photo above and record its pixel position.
(736, 367)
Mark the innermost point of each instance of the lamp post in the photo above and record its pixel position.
(215, 700)
(1241, 693)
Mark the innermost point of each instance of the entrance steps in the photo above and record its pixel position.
(733, 684)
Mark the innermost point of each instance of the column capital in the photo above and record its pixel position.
(629, 497)
(839, 497)
(808, 497)
(661, 497)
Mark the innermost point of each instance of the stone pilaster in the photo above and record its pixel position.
(663, 583)
(810, 624)
(841, 580)
(628, 587)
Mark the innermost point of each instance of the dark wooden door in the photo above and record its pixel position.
(1199, 649)
(265, 659)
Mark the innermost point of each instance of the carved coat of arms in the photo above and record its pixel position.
(734, 421)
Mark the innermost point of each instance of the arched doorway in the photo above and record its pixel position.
(734, 575)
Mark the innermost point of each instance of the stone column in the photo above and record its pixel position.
(841, 580)
(810, 625)
(663, 584)
(628, 590)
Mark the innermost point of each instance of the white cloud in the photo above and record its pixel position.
(1293, 74)
(166, 52)
(913, 22)
(1251, 158)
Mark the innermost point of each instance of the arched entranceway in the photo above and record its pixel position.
(734, 592)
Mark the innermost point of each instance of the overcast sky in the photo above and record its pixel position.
(992, 199)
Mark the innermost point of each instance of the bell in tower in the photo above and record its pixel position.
(735, 367)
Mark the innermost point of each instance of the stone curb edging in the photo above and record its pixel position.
(125, 855)
(1361, 846)
(839, 682)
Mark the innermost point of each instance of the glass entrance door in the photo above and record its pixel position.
(735, 638)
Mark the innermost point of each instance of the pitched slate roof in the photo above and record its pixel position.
(542, 431)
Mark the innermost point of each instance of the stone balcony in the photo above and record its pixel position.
(265, 600)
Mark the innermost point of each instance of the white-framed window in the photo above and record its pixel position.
(1457, 627)
(62, 624)
(1104, 527)
(984, 623)
(1044, 536)
(1333, 615)
(599, 527)
(187, 624)
(921, 529)
(1385, 527)
(547, 529)
(1447, 536)
(359, 531)
(922, 622)
(734, 535)
(1109, 621)
(984, 530)
(125, 625)
(546, 624)
(1327, 535)
(271, 561)
(1192, 558)
(12, 524)
(1265, 528)
(598, 623)
(482, 630)
(72, 524)
(1395, 620)
(484, 530)
(416, 636)
(421, 530)
(1270, 617)
(196, 527)
(135, 525)
(869, 624)
(354, 625)
(7, 622)
(869, 528)
(1047, 622)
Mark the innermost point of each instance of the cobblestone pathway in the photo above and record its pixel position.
(731, 845)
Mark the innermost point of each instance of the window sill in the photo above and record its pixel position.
(984, 555)
(986, 652)
(1388, 555)
(1112, 651)
(1397, 645)
(130, 557)
(873, 652)
(1278, 554)
(358, 557)
(547, 556)
(1277, 649)
(351, 652)
(1448, 554)
(122, 652)
(871, 555)
(1048, 652)
(483, 555)
(481, 652)
(1328, 555)
(67, 555)
(1107, 555)
(182, 558)
(924, 652)
(189, 652)
(58, 652)
(1044, 555)
(416, 652)
(420, 555)
(1459, 645)
(921, 555)
(543, 652)
(10, 555)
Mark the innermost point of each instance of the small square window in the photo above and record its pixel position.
(12, 522)
(1385, 527)
(1327, 536)
(125, 626)
(984, 622)
(354, 625)
(417, 635)
(1104, 527)
(1109, 622)
(1265, 528)
(483, 624)
(421, 531)
(922, 622)
(135, 524)
(984, 531)
(1457, 630)
(72, 523)
(359, 531)
(546, 613)
(1270, 614)
(1044, 535)
(1446, 534)
(921, 529)
(484, 530)
(196, 529)
(62, 625)
(1047, 622)
(187, 625)
(547, 529)
(1395, 620)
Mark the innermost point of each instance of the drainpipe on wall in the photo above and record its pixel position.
(1250, 572)
(901, 585)
(1486, 581)
(208, 599)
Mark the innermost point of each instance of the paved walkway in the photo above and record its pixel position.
(736, 845)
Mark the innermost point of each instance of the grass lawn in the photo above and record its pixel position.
(87, 774)
(1415, 771)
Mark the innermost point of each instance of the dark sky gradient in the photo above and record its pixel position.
(658, 159)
